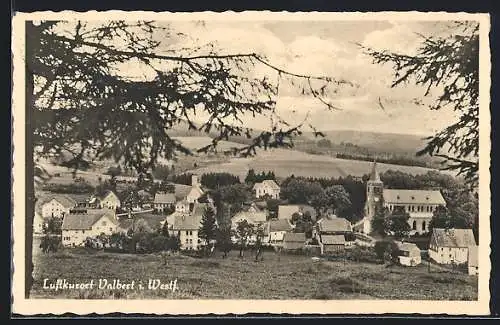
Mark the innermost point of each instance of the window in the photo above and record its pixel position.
(187, 240)
(423, 225)
(414, 225)
(83, 231)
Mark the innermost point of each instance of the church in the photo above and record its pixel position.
(419, 204)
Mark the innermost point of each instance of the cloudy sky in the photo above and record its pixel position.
(328, 48)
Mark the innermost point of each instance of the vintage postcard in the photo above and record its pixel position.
(254, 162)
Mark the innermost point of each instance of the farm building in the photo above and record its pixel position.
(332, 243)
(294, 241)
(408, 254)
(267, 188)
(451, 246)
(76, 228)
(275, 230)
(57, 206)
(163, 201)
(473, 261)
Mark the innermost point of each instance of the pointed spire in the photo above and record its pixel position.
(374, 176)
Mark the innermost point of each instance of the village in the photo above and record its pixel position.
(186, 218)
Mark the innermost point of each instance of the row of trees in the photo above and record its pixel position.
(253, 177)
(297, 190)
(217, 180)
(210, 232)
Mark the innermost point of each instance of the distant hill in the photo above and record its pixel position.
(377, 141)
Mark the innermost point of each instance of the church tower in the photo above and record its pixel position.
(374, 192)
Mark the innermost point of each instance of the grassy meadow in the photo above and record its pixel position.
(276, 277)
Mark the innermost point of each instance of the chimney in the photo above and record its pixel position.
(194, 181)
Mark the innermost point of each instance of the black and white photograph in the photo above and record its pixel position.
(255, 161)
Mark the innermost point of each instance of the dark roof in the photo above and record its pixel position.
(279, 225)
(333, 239)
(334, 225)
(413, 196)
(181, 191)
(199, 208)
(295, 237)
(166, 198)
(453, 237)
(85, 221)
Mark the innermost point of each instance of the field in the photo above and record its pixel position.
(276, 277)
(284, 162)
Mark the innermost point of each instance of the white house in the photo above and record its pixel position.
(267, 187)
(196, 192)
(473, 261)
(76, 228)
(449, 246)
(408, 254)
(38, 223)
(110, 201)
(186, 226)
(57, 206)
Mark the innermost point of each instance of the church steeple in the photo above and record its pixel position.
(374, 176)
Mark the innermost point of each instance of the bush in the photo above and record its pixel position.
(361, 254)
(381, 247)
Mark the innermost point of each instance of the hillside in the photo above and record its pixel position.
(285, 162)
(378, 141)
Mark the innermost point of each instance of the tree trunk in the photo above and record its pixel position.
(29, 163)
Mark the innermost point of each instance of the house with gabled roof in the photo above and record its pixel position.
(109, 200)
(77, 227)
(163, 201)
(408, 254)
(57, 206)
(267, 188)
(330, 233)
(186, 227)
(275, 230)
(451, 246)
